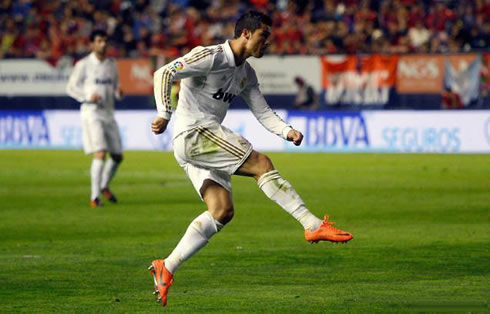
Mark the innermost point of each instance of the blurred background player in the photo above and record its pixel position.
(95, 83)
(451, 99)
(210, 153)
(306, 98)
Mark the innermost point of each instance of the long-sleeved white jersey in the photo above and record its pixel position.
(90, 76)
(210, 81)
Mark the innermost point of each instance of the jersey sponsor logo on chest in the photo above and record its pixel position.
(105, 81)
(225, 97)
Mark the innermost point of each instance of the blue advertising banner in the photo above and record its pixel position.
(331, 130)
(393, 131)
(24, 129)
(406, 131)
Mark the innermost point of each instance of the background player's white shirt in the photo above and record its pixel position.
(210, 81)
(90, 76)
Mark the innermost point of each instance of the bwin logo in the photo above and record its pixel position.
(226, 97)
(106, 81)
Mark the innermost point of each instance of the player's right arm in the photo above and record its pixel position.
(198, 62)
(75, 83)
(264, 113)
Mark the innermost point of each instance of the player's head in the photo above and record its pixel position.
(98, 42)
(299, 81)
(255, 28)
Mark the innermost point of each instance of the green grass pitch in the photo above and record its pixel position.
(420, 224)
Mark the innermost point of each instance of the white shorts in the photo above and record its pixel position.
(100, 133)
(211, 152)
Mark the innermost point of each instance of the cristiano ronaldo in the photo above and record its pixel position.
(210, 153)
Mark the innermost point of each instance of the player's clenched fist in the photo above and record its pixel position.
(295, 136)
(159, 125)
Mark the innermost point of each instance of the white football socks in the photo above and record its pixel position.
(196, 237)
(110, 168)
(281, 192)
(95, 175)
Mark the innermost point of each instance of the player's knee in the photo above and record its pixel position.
(264, 164)
(117, 158)
(100, 155)
(224, 214)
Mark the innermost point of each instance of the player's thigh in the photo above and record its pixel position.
(93, 134)
(200, 178)
(212, 147)
(113, 137)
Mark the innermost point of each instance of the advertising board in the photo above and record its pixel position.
(359, 81)
(276, 74)
(25, 77)
(327, 131)
(419, 74)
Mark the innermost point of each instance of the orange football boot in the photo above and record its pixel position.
(326, 232)
(162, 278)
(95, 203)
(109, 196)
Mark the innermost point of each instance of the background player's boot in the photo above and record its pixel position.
(95, 203)
(162, 279)
(108, 195)
(326, 232)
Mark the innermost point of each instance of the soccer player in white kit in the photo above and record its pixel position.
(210, 153)
(95, 83)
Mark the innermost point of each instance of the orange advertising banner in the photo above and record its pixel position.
(419, 74)
(354, 80)
(136, 76)
(333, 67)
(383, 69)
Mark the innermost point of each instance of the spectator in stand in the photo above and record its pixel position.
(419, 36)
(451, 100)
(306, 98)
(300, 27)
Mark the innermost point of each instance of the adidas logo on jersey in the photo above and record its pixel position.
(226, 97)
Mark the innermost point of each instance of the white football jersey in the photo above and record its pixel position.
(90, 76)
(210, 81)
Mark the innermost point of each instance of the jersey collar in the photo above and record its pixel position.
(229, 54)
(95, 59)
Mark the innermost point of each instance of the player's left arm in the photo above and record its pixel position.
(266, 116)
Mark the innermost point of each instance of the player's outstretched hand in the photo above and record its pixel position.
(119, 93)
(94, 98)
(159, 125)
(295, 136)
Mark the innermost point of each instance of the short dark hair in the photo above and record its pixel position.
(97, 32)
(251, 20)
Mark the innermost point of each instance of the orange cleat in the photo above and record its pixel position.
(95, 203)
(326, 232)
(108, 195)
(162, 279)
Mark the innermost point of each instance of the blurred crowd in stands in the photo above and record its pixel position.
(142, 28)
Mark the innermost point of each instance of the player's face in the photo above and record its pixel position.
(99, 45)
(259, 41)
